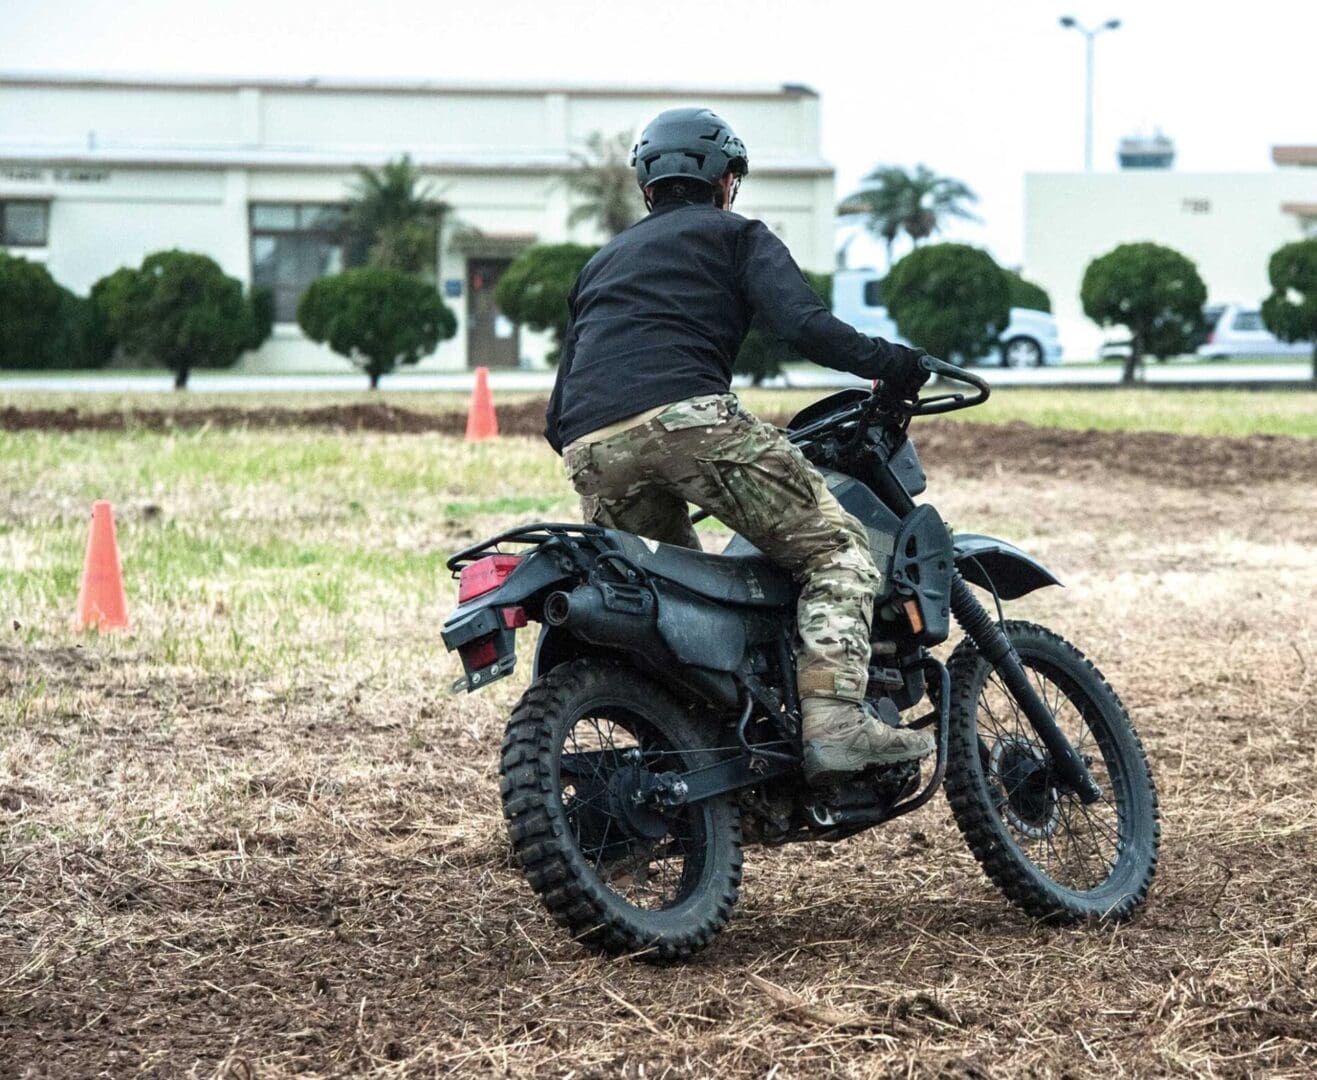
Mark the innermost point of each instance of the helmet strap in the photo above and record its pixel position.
(729, 191)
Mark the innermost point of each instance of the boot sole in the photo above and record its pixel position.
(819, 770)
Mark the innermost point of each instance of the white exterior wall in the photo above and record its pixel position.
(1228, 223)
(134, 167)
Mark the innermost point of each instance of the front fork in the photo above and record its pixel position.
(988, 638)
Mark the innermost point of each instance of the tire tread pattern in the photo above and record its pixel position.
(979, 822)
(553, 865)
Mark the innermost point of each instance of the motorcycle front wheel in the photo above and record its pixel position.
(1050, 854)
(621, 873)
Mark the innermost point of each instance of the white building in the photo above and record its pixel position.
(96, 173)
(1228, 223)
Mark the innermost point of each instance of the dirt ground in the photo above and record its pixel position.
(1189, 460)
(222, 876)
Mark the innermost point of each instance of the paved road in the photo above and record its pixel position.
(1223, 374)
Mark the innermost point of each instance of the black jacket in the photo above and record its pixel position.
(659, 314)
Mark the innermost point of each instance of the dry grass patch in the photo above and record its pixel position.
(259, 837)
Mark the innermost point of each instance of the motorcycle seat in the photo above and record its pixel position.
(750, 579)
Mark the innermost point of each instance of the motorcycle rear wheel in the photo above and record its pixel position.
(620, 877)
(1051, 855)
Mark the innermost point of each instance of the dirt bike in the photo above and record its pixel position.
(661, 729)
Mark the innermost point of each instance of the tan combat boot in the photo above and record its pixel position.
(842, 739)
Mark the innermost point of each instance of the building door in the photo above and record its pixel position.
(492, 339)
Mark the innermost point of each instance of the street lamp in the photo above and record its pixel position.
(1069, 22)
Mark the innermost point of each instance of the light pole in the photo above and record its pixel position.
(1071, 23)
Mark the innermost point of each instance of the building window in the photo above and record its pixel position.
(292, 245)
(23, 224)
(873, 294)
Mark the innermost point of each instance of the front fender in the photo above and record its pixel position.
(994, 564)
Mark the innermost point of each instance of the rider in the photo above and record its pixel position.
(642, 414)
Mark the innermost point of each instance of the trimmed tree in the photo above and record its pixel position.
(1290, 312)
(763, 354)
(80, 341)
(1152, 290)
(1025, 294)
(178, 310)
(951, 299)
(261, 301)
(30, 304)
(533, 291)
(379, 319)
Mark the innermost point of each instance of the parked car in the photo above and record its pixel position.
(1239, 331)
(1119, 349)
(1030, 339)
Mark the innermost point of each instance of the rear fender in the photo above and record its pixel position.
(999, 566)
(491, 617)
(538, 574)
(557, 646)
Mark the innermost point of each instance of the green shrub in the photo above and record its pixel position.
(1152, 290)
(1290, 312)
(1025, 294)
(763, 354)
(533, 291)
(80, 341)
(261, 301)
(30, 309)
(951, 299)
(111, 298)
(178, 310)
(379, 319)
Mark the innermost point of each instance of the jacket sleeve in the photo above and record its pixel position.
(772, 282)
(554, 413)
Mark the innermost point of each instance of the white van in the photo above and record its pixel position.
(1030, 339)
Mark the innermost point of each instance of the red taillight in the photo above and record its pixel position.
(479, 654)
(485, 575)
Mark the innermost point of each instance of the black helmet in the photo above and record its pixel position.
(695, 143)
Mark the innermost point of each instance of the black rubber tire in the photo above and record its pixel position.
(981, 822)
(542, 840)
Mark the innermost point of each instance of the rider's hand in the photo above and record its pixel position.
(904, 375)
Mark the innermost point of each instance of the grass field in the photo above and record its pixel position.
(258, 835)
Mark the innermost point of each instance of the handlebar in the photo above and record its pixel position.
(945, 403)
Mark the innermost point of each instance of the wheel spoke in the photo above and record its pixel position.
(1074, 844)
(649, 873)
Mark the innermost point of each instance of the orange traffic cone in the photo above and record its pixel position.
(101, 603)
(481, 423)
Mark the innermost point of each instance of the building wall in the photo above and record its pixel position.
(134, 167)
(1228, 223)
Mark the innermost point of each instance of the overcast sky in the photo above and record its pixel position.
(982, 91)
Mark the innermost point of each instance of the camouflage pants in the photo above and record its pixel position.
(707, 451)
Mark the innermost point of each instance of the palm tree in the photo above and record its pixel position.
(917, 203)
(394, 219)
(933, 199)
(885, 200)
(607, 184)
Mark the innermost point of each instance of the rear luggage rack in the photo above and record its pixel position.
(532, 535)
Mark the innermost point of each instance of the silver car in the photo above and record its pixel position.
(1239, 331)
